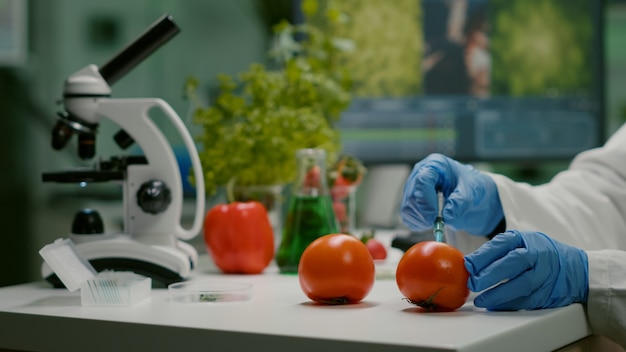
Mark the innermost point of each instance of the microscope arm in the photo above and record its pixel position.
(132, 115)
(197, 172)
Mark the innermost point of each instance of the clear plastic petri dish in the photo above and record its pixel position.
(209, 291)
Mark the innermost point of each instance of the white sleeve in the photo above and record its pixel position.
(606, 304)
(584, 206)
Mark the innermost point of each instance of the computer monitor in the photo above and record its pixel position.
(477, 80)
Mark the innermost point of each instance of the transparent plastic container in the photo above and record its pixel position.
(107, 288)
(209, 291)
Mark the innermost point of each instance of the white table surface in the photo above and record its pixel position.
(279, 317)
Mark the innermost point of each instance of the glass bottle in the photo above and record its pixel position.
(310, 213)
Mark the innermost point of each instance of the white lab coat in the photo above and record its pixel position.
(583, 206)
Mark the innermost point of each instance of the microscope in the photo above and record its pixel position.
(152, 241)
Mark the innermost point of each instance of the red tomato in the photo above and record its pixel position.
(340, 211)
(349, 171)
(340, 189)
(313, 177)
(376, 249)
(336, 269)
(432, 275)
(239, 237)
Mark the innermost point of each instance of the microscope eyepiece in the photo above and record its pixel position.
(158, 34)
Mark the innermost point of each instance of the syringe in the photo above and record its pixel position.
(438, 228)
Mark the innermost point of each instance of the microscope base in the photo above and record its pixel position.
(158, 274)
(164, 265)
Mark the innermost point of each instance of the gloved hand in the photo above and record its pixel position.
(472, 203)
(531, 271)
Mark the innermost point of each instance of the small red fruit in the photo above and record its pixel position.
(377, 249)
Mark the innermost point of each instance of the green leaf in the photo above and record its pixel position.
(261, 117)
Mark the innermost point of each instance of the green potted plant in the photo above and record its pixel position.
(261, 116)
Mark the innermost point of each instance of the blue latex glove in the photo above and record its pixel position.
(471, 203)
(540, 272)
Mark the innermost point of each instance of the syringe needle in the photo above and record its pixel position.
(438, 228)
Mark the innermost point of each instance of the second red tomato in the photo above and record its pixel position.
(432, 275)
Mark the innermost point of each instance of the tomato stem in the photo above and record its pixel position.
(230, 190)
(368, 235)
(427, 304)
(335, 300)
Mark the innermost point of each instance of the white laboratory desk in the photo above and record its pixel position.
(279, 317)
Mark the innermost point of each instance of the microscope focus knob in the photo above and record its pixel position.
(154, 196)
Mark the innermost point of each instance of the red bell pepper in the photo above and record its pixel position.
(239, 237)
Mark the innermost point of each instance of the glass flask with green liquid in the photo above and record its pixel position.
(310, 214)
